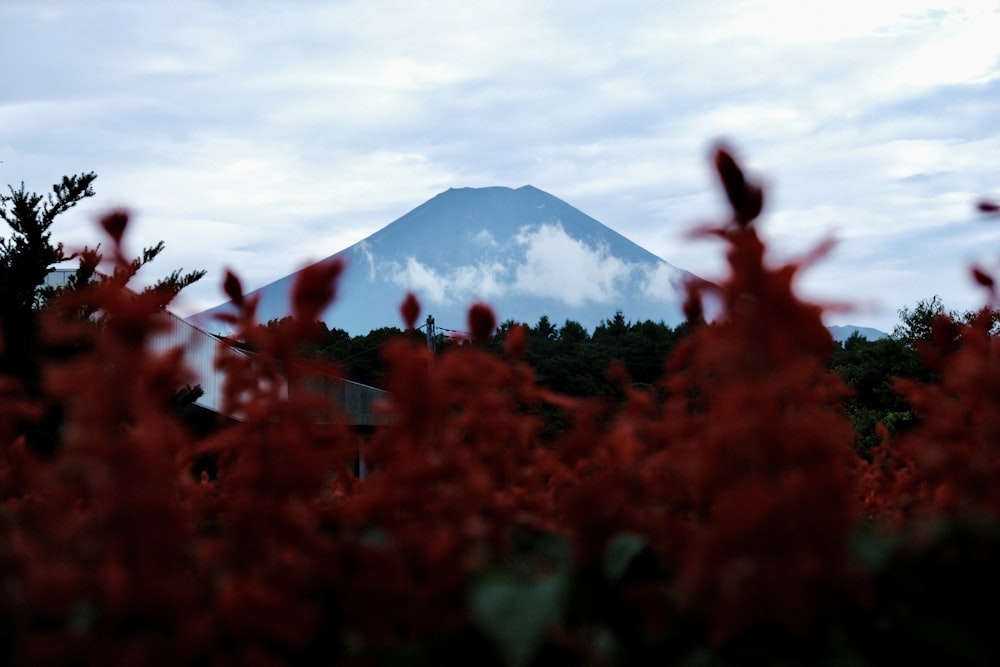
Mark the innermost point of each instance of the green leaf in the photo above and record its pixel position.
(516, 612)
(82, 617)
(874, 548)
(620, 553)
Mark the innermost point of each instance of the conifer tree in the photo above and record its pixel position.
(27, 256)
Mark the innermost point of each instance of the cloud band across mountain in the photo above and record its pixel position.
(542, 261)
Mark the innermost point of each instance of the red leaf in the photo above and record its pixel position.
(114, 223)
(233, 289)
(482, 322)
(410, 310)
(516, 342)
(693, 309)
(746, 199)
(983, 278)
(314, 289)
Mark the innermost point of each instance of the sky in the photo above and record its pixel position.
(262, 135)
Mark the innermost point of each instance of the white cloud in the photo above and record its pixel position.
(369, 259)
(663, 283)
(484, 239)
(556, 266)
(548, 264)
(421, 279)
(459, 285)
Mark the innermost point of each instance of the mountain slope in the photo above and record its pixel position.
(523, 251)
(842, 333)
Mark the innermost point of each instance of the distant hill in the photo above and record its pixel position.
(842, 333)
(523, 251)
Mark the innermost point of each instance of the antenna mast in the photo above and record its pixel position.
(431, 335)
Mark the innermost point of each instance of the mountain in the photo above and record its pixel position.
(523, 251)
(842, 333)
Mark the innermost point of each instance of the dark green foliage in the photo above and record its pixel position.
(571, 364)
(913, 352)
(517, 611)
(566, 358)
(641, 347)
(362, 357)
(936, 591)
(359, 357)
(27, 256)
(915, 325)
(869, 368)
(570, 361)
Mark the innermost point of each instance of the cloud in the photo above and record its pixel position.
(484, 239)
(366, 250)
(421, 279)
(546, 263)
(459, 285)
(663, 283)
(556, 266)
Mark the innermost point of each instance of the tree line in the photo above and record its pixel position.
(573, 361)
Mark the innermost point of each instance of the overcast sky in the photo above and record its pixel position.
(259, 135)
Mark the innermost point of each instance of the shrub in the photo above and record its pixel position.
(721, 517)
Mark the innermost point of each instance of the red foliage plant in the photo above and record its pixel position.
(743, 478)
(736, 477)
(948, 465)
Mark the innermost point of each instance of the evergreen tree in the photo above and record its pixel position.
(27, 256)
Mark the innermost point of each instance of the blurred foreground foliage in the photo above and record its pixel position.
(713, 512)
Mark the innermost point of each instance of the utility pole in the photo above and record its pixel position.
(431, 335)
